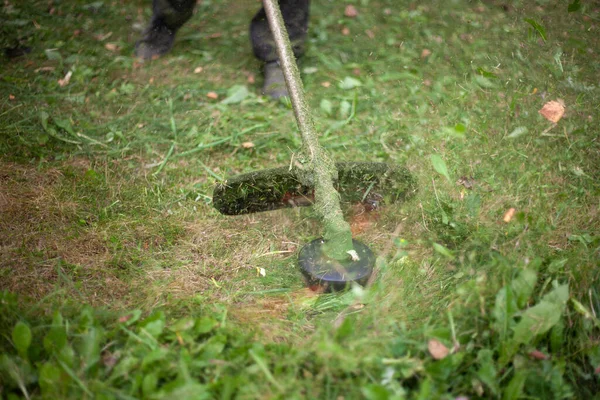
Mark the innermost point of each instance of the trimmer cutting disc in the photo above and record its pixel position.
(330, 274)
(276, 188)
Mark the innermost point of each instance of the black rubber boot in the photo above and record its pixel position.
(274, 85)
(168, 16)
(295, 16)
(157, 40)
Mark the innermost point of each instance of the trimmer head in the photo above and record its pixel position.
(332, 275)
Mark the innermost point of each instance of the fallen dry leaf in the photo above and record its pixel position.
(370, 34)
(350, 11)
(508, 216)
(251, 78)
(125, 318)
(538, 355)
(247, 145)
(45, 69)
(111, 47)
(326, 84)
(215, 35)
(387, 11)
(467, 182)
(65, 81)
(197, 70)
(102, 37)
(345, 31)
(425, 53)
(11, 97)
(437, 349)
(553, 111)
(212, 95)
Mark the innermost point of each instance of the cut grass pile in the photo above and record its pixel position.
(119, 280)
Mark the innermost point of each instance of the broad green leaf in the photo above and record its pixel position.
(236, 94)
(487, 372)
(155, 355)
(484, 82)
(539, 28)
(56, 338)
(542, 317)
(205, 325)
(440, 166)
(89, 346)
(473, 203)
(523, 286)
(154, 324)
(50, 379)
(444, 251)
(505, 308)
(375, 392)
(345, 108)
(21, 336)
(326, 106)
(183, 324)
(518, 131)
(514, 389)
(349, 83)
(149, 384)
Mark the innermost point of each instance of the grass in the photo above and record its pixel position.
(119, 280)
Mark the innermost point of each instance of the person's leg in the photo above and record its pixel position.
(295, 14)
(167, 17)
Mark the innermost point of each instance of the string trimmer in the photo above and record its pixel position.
(311, 179)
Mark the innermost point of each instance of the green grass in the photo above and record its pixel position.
(119, 280)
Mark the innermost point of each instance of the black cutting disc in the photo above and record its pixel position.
(332, 274)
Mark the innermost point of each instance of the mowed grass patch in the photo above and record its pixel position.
(487, 281)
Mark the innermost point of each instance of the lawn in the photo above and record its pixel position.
(119, 280)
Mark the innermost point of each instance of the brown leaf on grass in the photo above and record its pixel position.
(425, 53)
(111, 47)
(326, 84)
(102, 36)
(345, 31)
(370, 34)
(538, 355)
(350, 11)
(437, 349)
(197, 70)
(125, 318)
(247, 145)
(250, 79)
(553, 111)
(11, 97)
(65, 81)
(508, 216)
(212, 95)
(467, 182)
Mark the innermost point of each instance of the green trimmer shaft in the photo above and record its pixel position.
(335, 259)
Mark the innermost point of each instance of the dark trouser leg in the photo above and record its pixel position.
(167, 17)
(295, 14)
